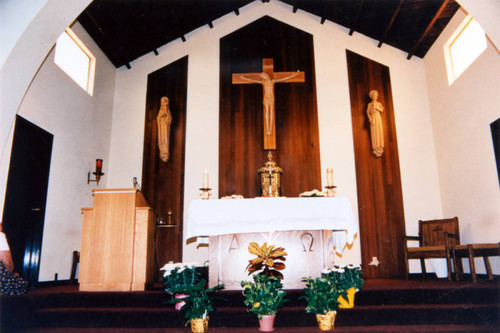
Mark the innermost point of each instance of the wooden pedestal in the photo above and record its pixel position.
(117, 250)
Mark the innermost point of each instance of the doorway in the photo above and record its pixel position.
(26, 195)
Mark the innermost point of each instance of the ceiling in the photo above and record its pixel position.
(128, 29)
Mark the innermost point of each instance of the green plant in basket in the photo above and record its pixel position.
(267, 261)
(264, 295)
(321, 295)
(178, 277)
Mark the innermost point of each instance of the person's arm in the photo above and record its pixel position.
(6, 258)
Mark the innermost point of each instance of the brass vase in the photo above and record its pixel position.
(326, 321)
(199, 325)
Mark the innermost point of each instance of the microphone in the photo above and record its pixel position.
(135, 183)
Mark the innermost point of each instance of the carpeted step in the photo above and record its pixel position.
(288, 316)
(313, 329)
(409, 306)
(235, 298)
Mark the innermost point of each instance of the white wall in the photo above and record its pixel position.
(412, 112)
(31, 28)
(81, 125)
(15, 15)
(419, 182)
(486, 12)
(461, 114)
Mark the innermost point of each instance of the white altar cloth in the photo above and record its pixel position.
(234, 216)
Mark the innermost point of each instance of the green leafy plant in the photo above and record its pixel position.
(198, 303)
(268, 260)
(179, 277)
(321, 295)
(264, 295)
(345, 276)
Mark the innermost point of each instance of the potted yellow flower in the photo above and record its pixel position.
(263, 297)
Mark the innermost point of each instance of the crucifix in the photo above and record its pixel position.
(268, 78)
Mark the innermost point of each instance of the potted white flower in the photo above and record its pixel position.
(178, 278)
(198, 305)
(347, 278)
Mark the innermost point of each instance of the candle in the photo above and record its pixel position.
(205, 179)
(98, 166)
(329, 177)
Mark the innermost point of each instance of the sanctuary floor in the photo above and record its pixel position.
(384, 305)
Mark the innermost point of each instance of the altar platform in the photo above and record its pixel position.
(389, 305)
(311, 230)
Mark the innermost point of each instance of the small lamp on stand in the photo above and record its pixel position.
(170, 223)
(98, 172)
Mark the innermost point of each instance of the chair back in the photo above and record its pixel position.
(432, 232)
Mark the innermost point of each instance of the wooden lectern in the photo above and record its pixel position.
(117, 250)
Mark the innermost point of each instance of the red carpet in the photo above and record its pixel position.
(382, 306)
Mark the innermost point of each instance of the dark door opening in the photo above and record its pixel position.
(26, 195)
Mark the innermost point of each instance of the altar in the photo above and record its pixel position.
(310, 229)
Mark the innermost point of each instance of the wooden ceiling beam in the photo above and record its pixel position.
(324, 11)
(391, 22)
(354, 22)
(428, 28)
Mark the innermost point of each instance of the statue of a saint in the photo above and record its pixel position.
(268, 95)
(164, 119)
(374, 112)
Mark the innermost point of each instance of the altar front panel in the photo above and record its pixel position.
(309, 251)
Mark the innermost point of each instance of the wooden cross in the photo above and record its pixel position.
(268, 78)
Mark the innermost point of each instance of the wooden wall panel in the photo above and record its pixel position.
(163, 182)
(241, 151)
(380, 198)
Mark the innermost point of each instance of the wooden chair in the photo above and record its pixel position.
(436, 239)
(471, 251)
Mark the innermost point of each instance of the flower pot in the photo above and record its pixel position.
(179, 305)
(199, 325)
(266, 324)
(326, 321)
(349, 303)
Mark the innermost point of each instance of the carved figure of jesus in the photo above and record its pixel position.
(163, 120)
(267, 78)
(268, 96)
(374, 112)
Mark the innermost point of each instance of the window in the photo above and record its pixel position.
(464, 46)
(75, 59)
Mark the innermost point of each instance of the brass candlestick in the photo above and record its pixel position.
(205, 193)
(169, 223)
(330, 191)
